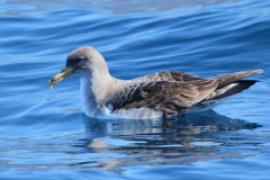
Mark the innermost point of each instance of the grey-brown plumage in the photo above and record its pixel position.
(173, 92)
(168, 93)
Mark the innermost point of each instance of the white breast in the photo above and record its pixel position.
(139, 113)
(88, 101)
(93, 96)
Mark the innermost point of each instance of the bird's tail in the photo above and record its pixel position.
(230, 84)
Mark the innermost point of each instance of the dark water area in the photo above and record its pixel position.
(45, 135)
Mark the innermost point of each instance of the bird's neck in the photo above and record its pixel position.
(95, 86)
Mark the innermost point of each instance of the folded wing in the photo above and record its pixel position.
(168, 97)
(171, 92)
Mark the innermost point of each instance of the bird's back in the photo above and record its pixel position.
(174, 92)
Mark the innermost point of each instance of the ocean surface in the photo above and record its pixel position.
(45, 135)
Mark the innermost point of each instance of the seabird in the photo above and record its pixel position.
(159, 95)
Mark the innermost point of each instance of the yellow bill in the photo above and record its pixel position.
(60, 76)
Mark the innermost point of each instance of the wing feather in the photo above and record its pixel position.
(170, 76)
(171, 92)
(168, 97)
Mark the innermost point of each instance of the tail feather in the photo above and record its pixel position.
(232, 89)
(226, 79)
(230, 84)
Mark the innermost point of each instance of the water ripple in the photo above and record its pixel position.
(44, 133)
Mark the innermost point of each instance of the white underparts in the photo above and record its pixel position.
(225, 89)
(139, 113)
(221, 91)
(92, 100)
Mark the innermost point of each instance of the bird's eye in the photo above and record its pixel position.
(74, 61)
(81, 58)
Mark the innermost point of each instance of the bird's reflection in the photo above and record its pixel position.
(189, 138)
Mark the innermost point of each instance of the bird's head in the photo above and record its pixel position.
(83, 59)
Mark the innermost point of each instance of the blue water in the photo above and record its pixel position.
(43, 133)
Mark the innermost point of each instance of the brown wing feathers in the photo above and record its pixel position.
(170, 76)
(226, 79)
(230, 84)
(168, 97)
(171, 92)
